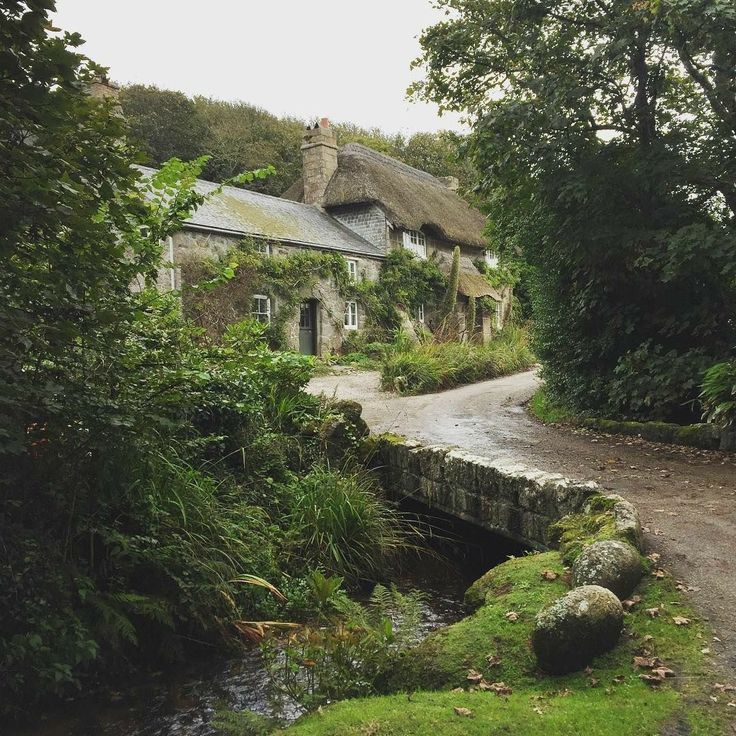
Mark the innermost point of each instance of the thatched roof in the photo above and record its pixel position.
(471, 281)
(251, 214)
(411, 199)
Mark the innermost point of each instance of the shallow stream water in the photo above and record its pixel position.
(185, 702)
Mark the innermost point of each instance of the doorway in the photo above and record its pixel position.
(308, 327)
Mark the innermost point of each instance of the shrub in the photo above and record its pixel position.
(342, 522)
(719, 394)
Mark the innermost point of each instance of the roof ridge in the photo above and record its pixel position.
(393, 162)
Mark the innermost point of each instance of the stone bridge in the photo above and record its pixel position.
(504, 497)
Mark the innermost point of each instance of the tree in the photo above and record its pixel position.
(598, 154)
(164, 123)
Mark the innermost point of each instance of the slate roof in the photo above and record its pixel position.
(242, 212)
(412, 199)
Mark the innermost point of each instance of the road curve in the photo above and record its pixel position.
(686, 497)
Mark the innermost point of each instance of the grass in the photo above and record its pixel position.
(609, 700)
(434, 366)
(345, 524)
(705, 436)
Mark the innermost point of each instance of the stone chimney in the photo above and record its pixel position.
(101, 88)
(451, 182)
(319, 160)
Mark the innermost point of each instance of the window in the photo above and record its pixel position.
(351, 315)
(264, 247)
(420, 313)
(415, 242)
(491, 258)
(261, 308)
(353, 269)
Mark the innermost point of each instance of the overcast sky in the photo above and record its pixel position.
(347, 60)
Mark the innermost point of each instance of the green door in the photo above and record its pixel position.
(307, 328)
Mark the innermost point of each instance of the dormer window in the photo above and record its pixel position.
(491, 259)
(415, 242)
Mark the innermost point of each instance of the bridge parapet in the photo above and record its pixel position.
(502, 496)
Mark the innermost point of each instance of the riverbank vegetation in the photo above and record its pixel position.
(481, 671)
(157, 488)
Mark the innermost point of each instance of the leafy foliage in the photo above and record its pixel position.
(606, 137)
(719, 394)
(352, 655)
(146, 473)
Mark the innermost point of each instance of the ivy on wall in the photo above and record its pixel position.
(218, 293)
(404, 282)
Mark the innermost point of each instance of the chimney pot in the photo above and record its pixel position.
(324, 123)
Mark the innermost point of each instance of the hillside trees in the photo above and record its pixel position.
(238, 137)
(603, 132)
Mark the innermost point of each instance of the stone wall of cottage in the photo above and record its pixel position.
(195, 245)
(367, 220)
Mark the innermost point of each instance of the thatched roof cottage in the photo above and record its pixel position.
(357, 202)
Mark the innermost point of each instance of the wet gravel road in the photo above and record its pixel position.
(686, 497)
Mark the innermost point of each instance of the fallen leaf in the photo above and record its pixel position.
(537, 709)
(549, 575)
(653, 612)
(619, 679)
(500, 688)
(474, 676)
(593, 682)
(588, 670)
(645, 662)
(493, 660)
(629, 603)
(663, 672)
(457, 690)
(652, 679)
(511, 616)
(724, 688)
(654, 557)
(659, 573)
(646, 639)
(681, 621)
(463, 712)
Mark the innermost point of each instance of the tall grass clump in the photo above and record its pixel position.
(439, 365)
(345, 525)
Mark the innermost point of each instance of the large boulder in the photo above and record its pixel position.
(611, 564)
(574, 629)
(341, 432)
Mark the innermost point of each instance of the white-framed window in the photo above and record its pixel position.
(353, 269)
(491, 258)
(420, 313)
(415, 241)
(261, 308)
(351, 315)
(263, 247)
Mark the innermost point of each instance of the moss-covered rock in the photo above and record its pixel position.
(576, 628)
(611, 564)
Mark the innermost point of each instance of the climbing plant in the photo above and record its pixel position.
(404, 281)
(220, 292)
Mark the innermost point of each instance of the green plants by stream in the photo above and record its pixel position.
(435, 682)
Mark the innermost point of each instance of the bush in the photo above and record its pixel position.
(341, 522)
(436, 366)
(719, 394)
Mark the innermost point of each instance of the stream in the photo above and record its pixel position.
(185, 702)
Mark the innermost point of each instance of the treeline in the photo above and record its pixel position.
(241, 137)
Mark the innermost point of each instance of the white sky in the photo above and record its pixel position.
(347, 60)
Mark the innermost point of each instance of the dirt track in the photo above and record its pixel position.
(687, 498)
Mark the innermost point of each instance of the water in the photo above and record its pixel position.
(184, 703)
